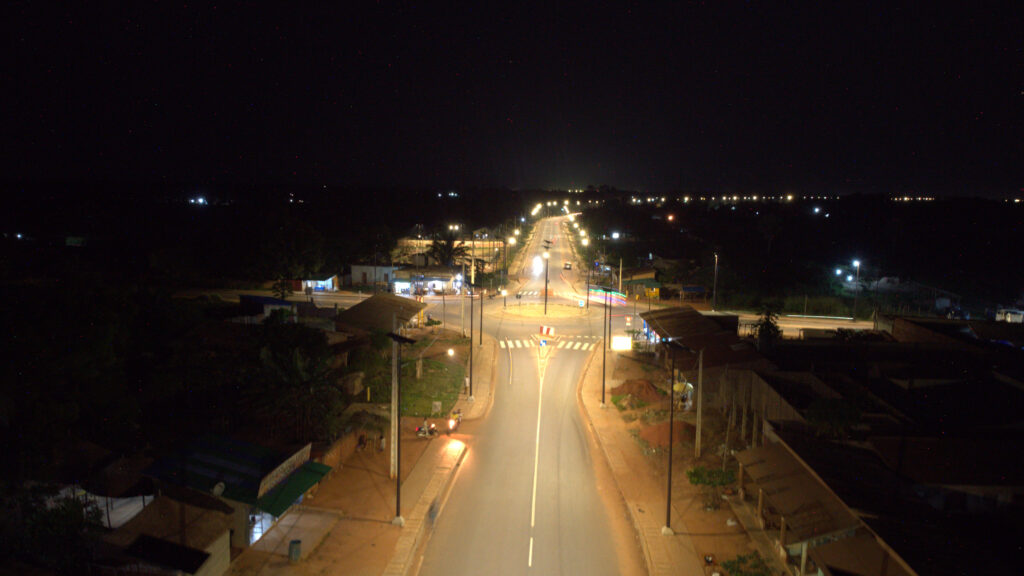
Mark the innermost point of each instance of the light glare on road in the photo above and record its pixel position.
(538, 265)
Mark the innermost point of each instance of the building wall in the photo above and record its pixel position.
(220, 557)
(239, 523)
(384, 274)
(906, 331)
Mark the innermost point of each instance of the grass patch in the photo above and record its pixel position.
(644, 444)
(441, 382)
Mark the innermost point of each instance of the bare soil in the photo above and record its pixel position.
(640, 389)
(710, 531)
(657, 434)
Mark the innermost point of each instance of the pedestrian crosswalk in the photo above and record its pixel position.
(568, 343)
(529, 293)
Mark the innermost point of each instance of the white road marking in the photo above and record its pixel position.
(536, 466)
(529, 563)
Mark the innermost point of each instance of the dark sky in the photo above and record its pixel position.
(643, 95)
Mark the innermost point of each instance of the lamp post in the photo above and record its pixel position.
(470, 345)
(511, 242)
(585, 242)
(856, 290)
(714, 287)
(398, 341)
(667, 529)
(482, 294)
(547, 257)
(504, 298)
(604, 348)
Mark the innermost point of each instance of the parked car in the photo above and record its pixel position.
(567, 266)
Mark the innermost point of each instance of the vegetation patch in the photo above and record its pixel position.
(440, 381)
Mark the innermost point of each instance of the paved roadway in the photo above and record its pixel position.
(526, 499)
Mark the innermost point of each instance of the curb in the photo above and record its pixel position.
(651, 564)
(415, 526)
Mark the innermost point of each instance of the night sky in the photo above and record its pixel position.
(640, 95)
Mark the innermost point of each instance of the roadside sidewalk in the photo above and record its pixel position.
(346, 526)
(643, 496)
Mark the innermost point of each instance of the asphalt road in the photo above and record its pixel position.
(526, 499)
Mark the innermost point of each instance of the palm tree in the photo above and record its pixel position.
(298, 382)
(447, 249)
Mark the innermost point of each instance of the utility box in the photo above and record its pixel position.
(294, 551)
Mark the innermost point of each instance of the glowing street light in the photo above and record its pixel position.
(856, 290)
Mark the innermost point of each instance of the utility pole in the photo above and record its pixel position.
(462, 302)
(547, 259)
(395, 428)
(667, 529)
(471, 345)
(482, 317)
(700, 394)
(714, 287)
(588, 287)
(604, 347)
(396, 399)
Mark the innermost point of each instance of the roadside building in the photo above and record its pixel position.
(321, 284)
(377, 313)
(426, 280)
(379, 276)
(173, 535)
(259, 484)
(710, 339)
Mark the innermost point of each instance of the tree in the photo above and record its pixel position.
(57, 532)
(767, 331)
(298, 381)
(282, 287)
(711, 481)
(447, 250)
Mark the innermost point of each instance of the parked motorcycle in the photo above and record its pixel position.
(427, 431)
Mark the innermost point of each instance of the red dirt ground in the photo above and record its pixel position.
(640, 389)
(657, 434)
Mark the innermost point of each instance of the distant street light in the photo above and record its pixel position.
(856, 290)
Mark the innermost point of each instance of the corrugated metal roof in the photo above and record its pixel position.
(375, 313)
(688, 327)
(809, 508)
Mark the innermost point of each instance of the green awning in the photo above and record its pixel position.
(277, 501)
